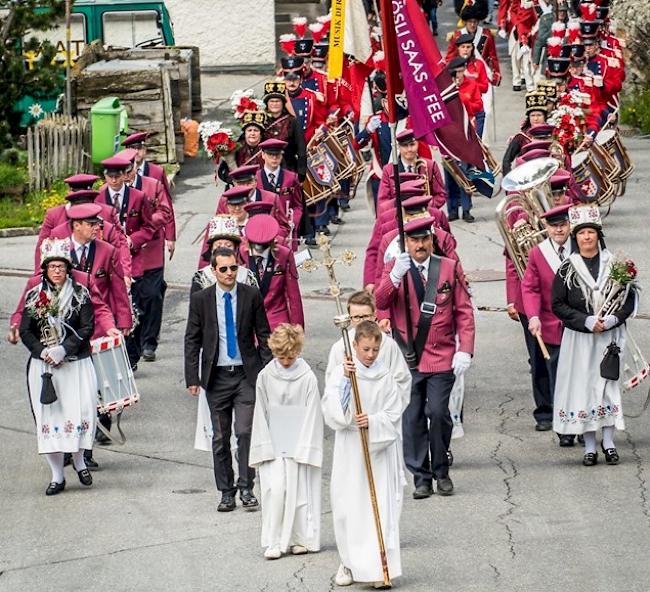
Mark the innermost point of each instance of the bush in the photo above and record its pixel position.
(11, 176)
(635, 110)
(32, 211)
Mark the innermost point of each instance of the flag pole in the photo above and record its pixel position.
(388, 34)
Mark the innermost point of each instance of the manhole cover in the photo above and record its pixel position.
(188, 491)
(486, 275)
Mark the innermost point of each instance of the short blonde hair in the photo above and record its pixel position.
(287, 341)
(367, 330)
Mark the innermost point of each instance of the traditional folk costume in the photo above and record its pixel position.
(288, 415)
(585, 401)
(354, 526)
(59, 323)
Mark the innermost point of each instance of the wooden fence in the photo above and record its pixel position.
(57, 146)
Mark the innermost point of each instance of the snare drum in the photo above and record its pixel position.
(610, 140)
(635, 368)
(594, 185)
(117, 389)
(321, 181)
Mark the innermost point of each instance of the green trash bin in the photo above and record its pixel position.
(108, 121)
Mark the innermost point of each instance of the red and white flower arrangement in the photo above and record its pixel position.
(244, 100)
(569, 121)
(218, 141)
(621, 279)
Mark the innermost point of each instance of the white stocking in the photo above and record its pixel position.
(55, 460)
(78, 460)
(608, 437)
(590, 442)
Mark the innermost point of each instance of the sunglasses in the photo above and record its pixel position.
(225, 268)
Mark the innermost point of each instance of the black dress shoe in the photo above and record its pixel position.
(444, 486)
(227, 503)
(102, 438)
(336, 220)
(544, 426)
(85, 478)
(311, 241)
(581, 439)
(516, 87)
(423, 491)
(67, 459)
(452, 217)
(91, 463)
(323, 230)
(567, 440)
(248, 500)
(467, 217)
(590, 459)
(148, 355)
(611, 455)
(55, 488)
(450, 458)
(345, 207)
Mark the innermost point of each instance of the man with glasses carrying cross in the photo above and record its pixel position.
(227, 333)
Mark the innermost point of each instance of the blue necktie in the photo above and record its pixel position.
(345, 396)
(231, 338)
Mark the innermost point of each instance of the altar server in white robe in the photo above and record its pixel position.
(287, 447)
(354, 526)
(361, 307)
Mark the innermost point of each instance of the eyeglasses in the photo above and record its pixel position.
(225, 268)
(359, 318)
(56, 267)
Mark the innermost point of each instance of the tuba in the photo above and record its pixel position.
(519, 213)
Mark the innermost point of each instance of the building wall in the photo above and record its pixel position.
(230, 34)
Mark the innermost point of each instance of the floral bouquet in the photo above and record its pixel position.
(42, 307)
(244, 100)
(621, 279)
(218, 141)
(569, 121)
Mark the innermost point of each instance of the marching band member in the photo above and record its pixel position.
(282, 125)
(410, 162)
(275, 270)
(536, 289)
(583, 82)
(56, 326)
(474, 70)
(439, 300)
(585, 401)
(277, 179)
(354, 526)
(516, 19)
(223, 233)
(253, 125)
(536, 113)
(312, 79)
(289, 484)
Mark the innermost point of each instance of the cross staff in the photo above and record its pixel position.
(342, 321)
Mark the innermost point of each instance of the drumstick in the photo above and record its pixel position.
(543, 347)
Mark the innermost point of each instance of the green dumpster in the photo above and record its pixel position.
(108, 121)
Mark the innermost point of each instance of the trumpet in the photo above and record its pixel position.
(518, 215)
(420, 167)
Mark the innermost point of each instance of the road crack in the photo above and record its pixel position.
(643, 486)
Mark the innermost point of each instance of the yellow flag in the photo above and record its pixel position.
(337, 27)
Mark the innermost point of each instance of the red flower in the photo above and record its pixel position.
(43, 299)
(631, 268)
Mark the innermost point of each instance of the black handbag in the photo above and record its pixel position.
(48, 394)
(610, 366)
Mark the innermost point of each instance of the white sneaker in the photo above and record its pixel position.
(343, 576)
(298, 550)
(273, 553)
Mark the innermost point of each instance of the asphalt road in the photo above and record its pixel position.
(526, 514)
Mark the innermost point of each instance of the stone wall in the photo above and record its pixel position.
(231, 34)
(633, 24)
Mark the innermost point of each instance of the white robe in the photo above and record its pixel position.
(290, 487)
(354, 526)
(390, 356)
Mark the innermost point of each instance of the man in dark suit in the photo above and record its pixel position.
(227, 331)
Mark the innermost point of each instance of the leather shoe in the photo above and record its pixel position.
(54, 488)
(423, 491)
(148, 355)
(67, 459)
(611, 455)
(444, 486)
(590, 459)
(311, 241)
(467, 217)
(452, 217)
(336, 220)
(450, 458)
(323, 229)
(91, 463)
(248, 500)
(544, 426)
(227, 503)
(567, 440)
(516, 87)
(85, 478)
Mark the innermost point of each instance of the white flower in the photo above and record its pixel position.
(36, 110)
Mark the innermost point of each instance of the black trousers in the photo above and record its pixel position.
(148, 293)
(230, 392)
(427, 426)
(542, 373)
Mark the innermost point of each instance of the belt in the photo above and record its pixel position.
(230, 369)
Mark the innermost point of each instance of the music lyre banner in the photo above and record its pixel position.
(426, 105)
(337, 28)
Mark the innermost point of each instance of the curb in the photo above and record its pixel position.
(19, 231)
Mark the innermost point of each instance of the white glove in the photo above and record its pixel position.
(502, 33)
(373, 123)
(590, 322)
(523, 50)
(44, 353)
(610, 322)
(401, 267)
(461, 363)
(598, 80)
(57, 354)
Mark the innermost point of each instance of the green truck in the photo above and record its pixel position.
(118, 23)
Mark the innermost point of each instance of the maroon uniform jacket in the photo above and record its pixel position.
(434, 179)
(289, 191)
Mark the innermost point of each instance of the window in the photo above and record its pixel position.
(130, 28)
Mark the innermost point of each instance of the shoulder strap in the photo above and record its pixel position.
(427, 306)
